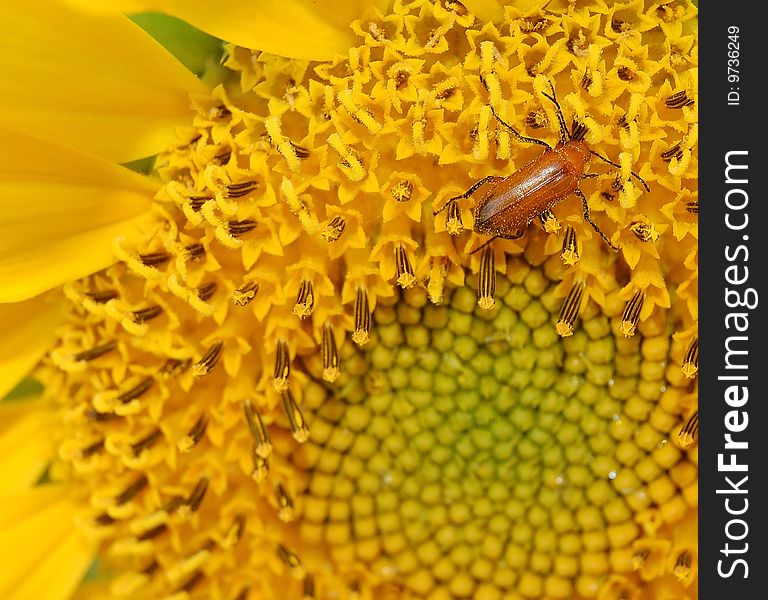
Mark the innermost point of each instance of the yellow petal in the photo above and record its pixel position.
(490, 10)
(96, 82)
(26, 443)
(28, 330)
(60, 210)
(304, 29)
(43, 553)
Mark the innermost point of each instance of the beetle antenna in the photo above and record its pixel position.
(588, 219)
(484, 244)
(530, 140)
(564, 133)
(618, 166)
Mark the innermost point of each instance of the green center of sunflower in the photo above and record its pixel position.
(468, 450)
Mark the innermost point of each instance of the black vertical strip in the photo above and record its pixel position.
(732, 490)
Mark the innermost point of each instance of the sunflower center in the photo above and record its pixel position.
(470, 450)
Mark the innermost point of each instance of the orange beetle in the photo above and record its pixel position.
(512, 202)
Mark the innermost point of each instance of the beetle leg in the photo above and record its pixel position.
(618, 166)
(590, 175)
(519, 136)
(478, 184)
(589, 220)
(564, 134)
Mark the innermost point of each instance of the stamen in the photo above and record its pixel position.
(136, 391)
(673, 152)
(146, 314)
(690, 431)
(236, 530)
(300, 151)
(330, 354)
(305, 301)
(362, 332)
(194, 435)
(282, 366)
(210, 358)
(486, 281)
(131, 491)
(100, 417)
(631, 316)
(679, 100)
(570, 310)
(334, 229)
(95, 352)
(205, 292)
(239, 190)
(294, 564)
(570, 251)
(242, 594)
(453, 222)
(690, 364)
(402, 191)
(152, 533)
(639, 558)
(245, 293)
(285, 510)
(154, 259)
(193, 580)
(299, 428)
(549, 222)
(92, 449)
(262, 445)
(645, 232)
(682, 568)
(238, 228)
(405, 275)
(692, 207)
(103, 520)
(146, 442)
(102, 296)
(196, 202)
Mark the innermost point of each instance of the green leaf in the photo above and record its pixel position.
(193, 48)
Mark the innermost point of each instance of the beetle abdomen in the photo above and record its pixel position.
(510, 206)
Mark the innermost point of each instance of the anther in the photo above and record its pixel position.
(690, 364)
(260, 467)
(196, 497)
(299, 428)
(282, 366)
(305, 300)
(639, 558)
(570, 251)
(190, 583)
(146, 314)
(549, 222)
(308, 591)
(100, 417)
(153, 532)
(137, 390)
(150, 569)
(679, 100)
(262, 445)
(102, 296)
(103, 520)
(645, 232)
(132, 490)
(673, 152)
(692, 207)
(690, 431)
(194, 435)
(92, 449)
(631, 315)
(196, 202)
(362, 333)
(330, 354)
(334, 229)
(486, 280)
(205, 292)
(454, 224)
(301, 151)
(405, 274)
(174, 366)
(95, 352)
(242, 594)
(238, 228)
(245, 293)
(154, 259)
(206, 364)
(570, 310)
(238, 190)
(285, 509)
(146, 442)
(290, 560)
(402, 191)
(194, 251)
(682, 568)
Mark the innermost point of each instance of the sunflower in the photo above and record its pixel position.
(275, 360)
